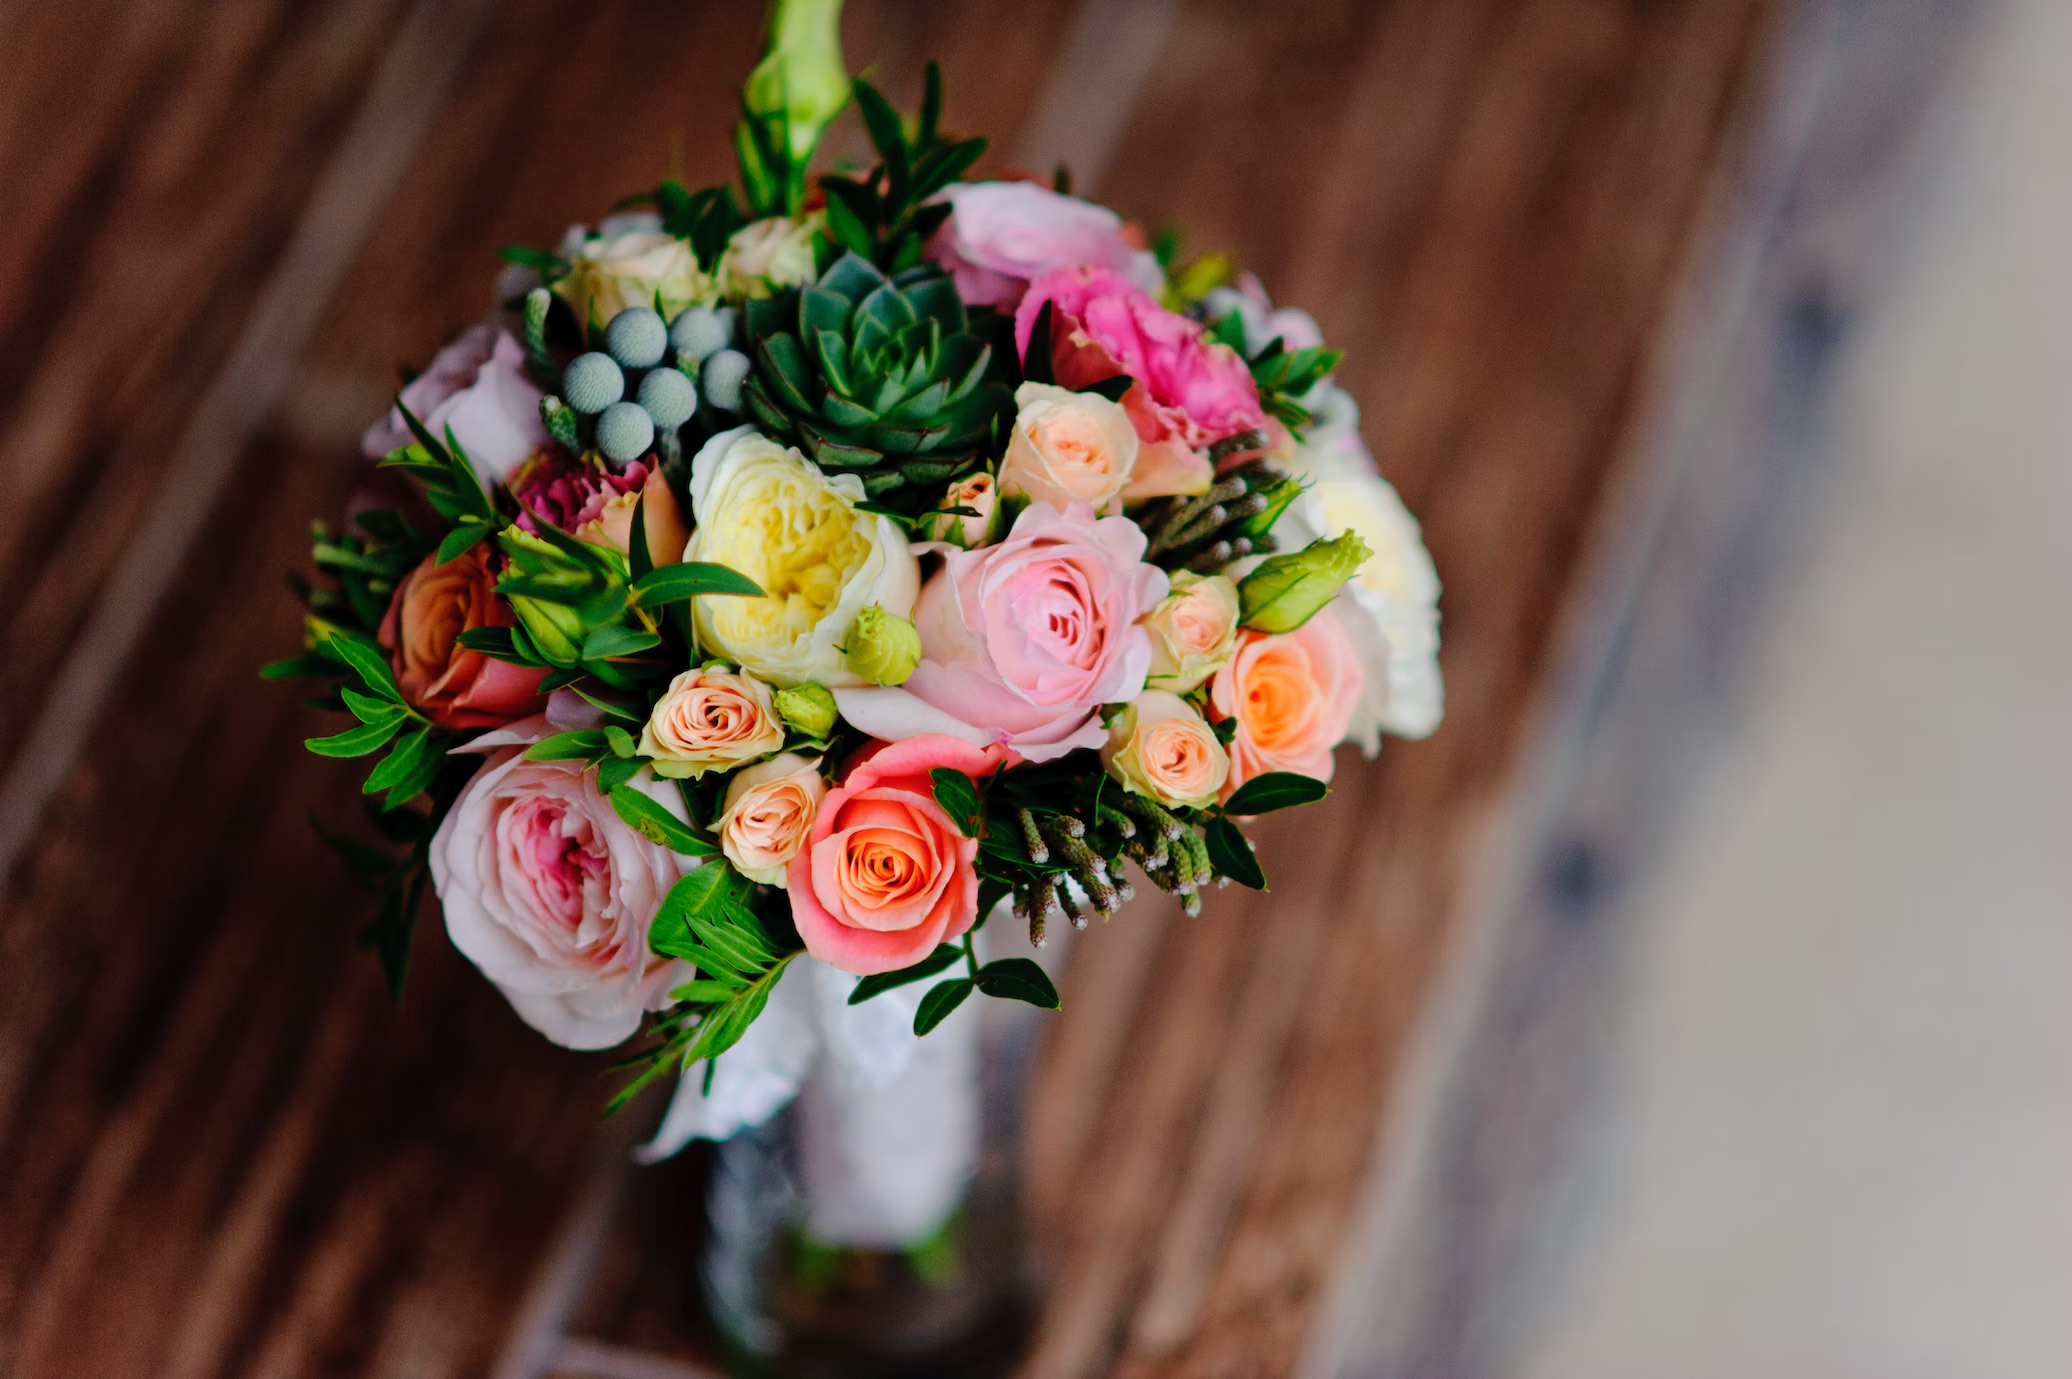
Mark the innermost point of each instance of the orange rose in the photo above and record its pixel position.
(448, 683)
(1293, 695)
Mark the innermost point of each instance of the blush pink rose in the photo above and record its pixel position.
(477, 386)
(1002, 235)
(1188, 392)
(1293, 695)
(549, 893)
(886, 874)
(1022, 642)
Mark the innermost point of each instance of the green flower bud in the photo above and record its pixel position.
(808, 709)
(883, 647)
(555, 628)
(1287, 590)
(801, 79)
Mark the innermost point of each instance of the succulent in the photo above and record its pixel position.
(875, 376)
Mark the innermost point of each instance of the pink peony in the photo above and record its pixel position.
(886, 874)
(477, 386)
(1023, 642)
(1293, 695)
(589, 500)
(551, 894)
(1002, 235)
(1189, 390)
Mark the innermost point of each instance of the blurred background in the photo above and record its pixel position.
(1693, 1004)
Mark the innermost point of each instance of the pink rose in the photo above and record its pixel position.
(477, 386)
(1001, 235)
(1188, 392)
(1293, 695)
(448, 683)
(590, 500)
(551, 895)
(1023, 642)
(886, 874)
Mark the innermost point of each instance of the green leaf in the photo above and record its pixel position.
(1018, 979)
(945, 955)
(369, 709)
(613, 772)
(305, 667)
(689, 579)
(402, 762)
(356, 741)
(617, 640)
(1111, 388)
(545, 260)
(1230, 852)
(958, 798)
(462, 539)
(656, 824)
(1036, 360)
(939, 1002)
(1275, 790)
(366, 662)
(580, 745)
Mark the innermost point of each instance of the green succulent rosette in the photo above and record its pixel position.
(876, 376)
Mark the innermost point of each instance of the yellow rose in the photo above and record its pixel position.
(606, 276)
(709, 719)
(1068, 447)
(767, 511)
(1193, 632)
(1160, 747)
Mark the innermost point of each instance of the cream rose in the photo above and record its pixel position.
(767, 511)
(1068, 447)
(1193, 632)
(709, 719)
(549, 893)
(768, 255)
(1160, 747)
(769, 810)
(610, 273)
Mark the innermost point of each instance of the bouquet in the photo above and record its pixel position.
(797, 574)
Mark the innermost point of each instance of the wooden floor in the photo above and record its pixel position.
(221, 1151)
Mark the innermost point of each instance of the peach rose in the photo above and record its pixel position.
(1068, 447)
(886, 875)
(769, 809)
(711, 718)
(449, 684)
(1160, 747)
(1193, 632)
(1293, 695)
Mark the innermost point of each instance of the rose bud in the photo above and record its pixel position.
(971, 530)
(1193, 632)
(1159, 747)
(883, 647)
(1286, 591)
(451, 685)
(807, 709)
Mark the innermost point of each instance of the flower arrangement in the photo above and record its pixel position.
(805, 571)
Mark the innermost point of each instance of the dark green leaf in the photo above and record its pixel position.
(939, 1002)
(656, 824)
(1111, 388)
(310, 666)
(617, 640)
(958, 798)
(1230, 853)
(401, 763)
(1275, 790)
(579, 745)
(366, 662)
(945, 955)
(369, 709)
(462, 539)
(356, 741)
(689, 579)
(1018, 979)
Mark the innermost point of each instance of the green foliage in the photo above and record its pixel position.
(959, 799)
(939, 1001)
(790, 98)
(449, 482)
(1275, 790)
(889, 216)
(1230, 852)
(707, 919)
(1018, 979)
(878, 377)
(1284, 376)
(945, 955)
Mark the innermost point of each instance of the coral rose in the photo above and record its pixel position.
(448, 683)
(1000, 235)
(476, 387)
(769, 809)
(1293, 695)
(886, 874)
(551, 894)
(710, 718)
(1023, 642)
(1068, 447)
(1160, 747)
(1188, 390)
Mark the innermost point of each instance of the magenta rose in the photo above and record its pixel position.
(477, 386)
(1003, 235)
(549, 893)
(1189, 390)
(886, 874)
(1022, 642)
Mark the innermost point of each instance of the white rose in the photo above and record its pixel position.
(767, 255)
(608, 274)
(549, 893)
(766, 510)
(1396, 589)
